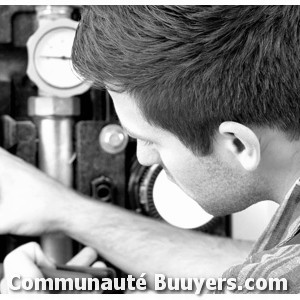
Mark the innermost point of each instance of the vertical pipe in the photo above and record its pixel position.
(46, 13)
(55, 148)
(54, 119)
(55, 152)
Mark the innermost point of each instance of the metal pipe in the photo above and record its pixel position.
(55, 148)
(54, 119)
(55, 152)
(46, 13)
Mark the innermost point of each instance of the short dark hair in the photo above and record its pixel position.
(192, 67)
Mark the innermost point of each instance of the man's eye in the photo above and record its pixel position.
(145, 143)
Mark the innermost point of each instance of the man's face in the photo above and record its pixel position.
(219, 184)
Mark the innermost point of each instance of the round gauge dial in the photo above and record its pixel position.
(49, 59)
(52, 58)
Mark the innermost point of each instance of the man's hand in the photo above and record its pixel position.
(23, 262)
(26, 260)
(30, 201)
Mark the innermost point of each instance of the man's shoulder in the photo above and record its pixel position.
(276, 255)
(276, 263)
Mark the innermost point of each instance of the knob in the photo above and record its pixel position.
(113, 139)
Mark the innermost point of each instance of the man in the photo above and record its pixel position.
(212, 95)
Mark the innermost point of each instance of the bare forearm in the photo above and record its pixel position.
(134, 243)
(138, 244)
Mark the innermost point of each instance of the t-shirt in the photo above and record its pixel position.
(270, 257)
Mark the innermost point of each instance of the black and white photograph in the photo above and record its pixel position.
(149, 150)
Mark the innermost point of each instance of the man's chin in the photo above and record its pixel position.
(222, 211)
(218, 211)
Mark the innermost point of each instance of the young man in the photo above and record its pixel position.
(212, 95)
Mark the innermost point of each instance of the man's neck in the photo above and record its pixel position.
(280, 164)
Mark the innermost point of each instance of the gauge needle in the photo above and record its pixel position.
(55, 57)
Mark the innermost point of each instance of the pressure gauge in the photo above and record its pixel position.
(49, 59)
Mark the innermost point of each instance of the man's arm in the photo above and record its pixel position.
(139, 244)
(33, 203)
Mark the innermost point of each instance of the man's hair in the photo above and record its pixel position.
(192, 67)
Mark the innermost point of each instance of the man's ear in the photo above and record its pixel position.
(243, 143)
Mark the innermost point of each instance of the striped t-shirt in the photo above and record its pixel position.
(270, 256)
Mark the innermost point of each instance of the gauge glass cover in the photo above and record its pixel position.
(52, 58)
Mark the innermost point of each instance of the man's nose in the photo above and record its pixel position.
(146, 155)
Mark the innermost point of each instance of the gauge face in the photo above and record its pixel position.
(175, 206)
(52, 58)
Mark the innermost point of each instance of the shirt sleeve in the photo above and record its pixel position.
(281, 263)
